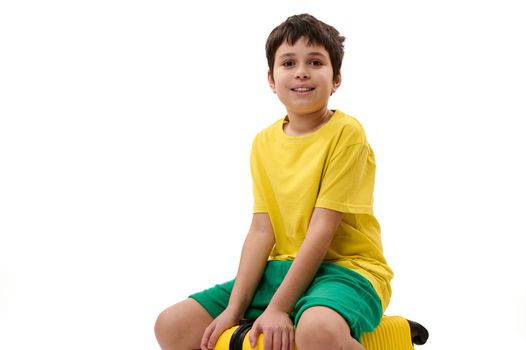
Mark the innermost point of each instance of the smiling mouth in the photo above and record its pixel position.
(302, 89)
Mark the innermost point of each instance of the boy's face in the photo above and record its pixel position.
(303, 77)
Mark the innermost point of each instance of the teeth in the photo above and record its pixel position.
(302, 89)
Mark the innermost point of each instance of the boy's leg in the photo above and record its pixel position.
(181, 326)
(337, 308)
(322, 328)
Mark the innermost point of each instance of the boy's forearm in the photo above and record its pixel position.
(308, 260)
(303, 269)
(254, 257)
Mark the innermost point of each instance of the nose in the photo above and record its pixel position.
(302, 73)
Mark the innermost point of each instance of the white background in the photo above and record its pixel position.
(125, 130)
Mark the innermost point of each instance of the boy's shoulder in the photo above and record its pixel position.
(348, 127)
(270, 129)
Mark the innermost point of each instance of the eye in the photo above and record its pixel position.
(316, 63)
(288, 63)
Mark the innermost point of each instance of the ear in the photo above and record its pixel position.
(271, 82)
(337, 82)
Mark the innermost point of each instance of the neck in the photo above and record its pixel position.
(303, 124)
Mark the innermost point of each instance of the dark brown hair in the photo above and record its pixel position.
(315, 31)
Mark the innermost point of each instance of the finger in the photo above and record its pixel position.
(213, 337)
(276, 339)
(254, 334)
(285, 340)
(292, 339)
(206, 337)
(267, 340)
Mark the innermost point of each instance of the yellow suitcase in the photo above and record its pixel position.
(393, 333)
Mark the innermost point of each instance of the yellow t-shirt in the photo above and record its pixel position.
(334, 168)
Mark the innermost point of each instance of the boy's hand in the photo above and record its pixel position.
(277, 329)
(224, 321)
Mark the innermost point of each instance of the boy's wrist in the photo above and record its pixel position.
(236, 310)
(279, 306)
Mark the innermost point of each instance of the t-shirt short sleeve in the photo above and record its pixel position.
(348, 181)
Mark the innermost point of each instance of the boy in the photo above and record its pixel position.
(312, 271)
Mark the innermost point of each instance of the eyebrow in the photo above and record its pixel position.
(313, 53)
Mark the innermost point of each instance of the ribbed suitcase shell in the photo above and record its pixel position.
(393, 333)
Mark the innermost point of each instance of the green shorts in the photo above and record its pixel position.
(343, 290)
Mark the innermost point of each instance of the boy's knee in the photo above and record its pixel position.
(182, 325)
(163, 325)
(167, 331)
(312, 334)
(322, 328)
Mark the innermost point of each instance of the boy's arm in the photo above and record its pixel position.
(254, 256)
(319, 236)
(275, 322)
